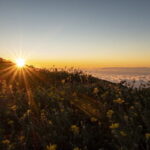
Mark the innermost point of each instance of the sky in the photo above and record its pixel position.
(80, 33)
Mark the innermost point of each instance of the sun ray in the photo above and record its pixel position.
(8, 72)
(35, 73)
(13, 76)
(7, 69)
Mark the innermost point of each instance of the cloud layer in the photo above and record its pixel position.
(137, 76)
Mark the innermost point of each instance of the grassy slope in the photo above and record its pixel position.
(42, 109)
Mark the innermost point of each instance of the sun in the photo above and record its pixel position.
(20, 62)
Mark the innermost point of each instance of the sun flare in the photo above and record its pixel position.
(20, 62)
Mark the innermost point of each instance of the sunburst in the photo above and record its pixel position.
(20, 62)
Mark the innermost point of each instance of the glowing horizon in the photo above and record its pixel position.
(83, 63)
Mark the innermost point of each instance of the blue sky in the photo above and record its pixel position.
(76, 32)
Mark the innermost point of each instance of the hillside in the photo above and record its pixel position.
(44, 109)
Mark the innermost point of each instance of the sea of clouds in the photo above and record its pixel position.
(136, 76)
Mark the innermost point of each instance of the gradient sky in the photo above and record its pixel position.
(83, 33)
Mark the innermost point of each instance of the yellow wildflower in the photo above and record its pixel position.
(147, 135)
(62, 109)
(114, 126)
(43, 116)
(109, 113)
(6, 141)
(28, 112)
(62, 92)
(93, 119)
(75, 129)
(61, 98)
(96, 90)
(51, 147)
(14, 107)
(63, 81)
(50, 122)
(119, 101)
(123, 133)
(21, 138)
